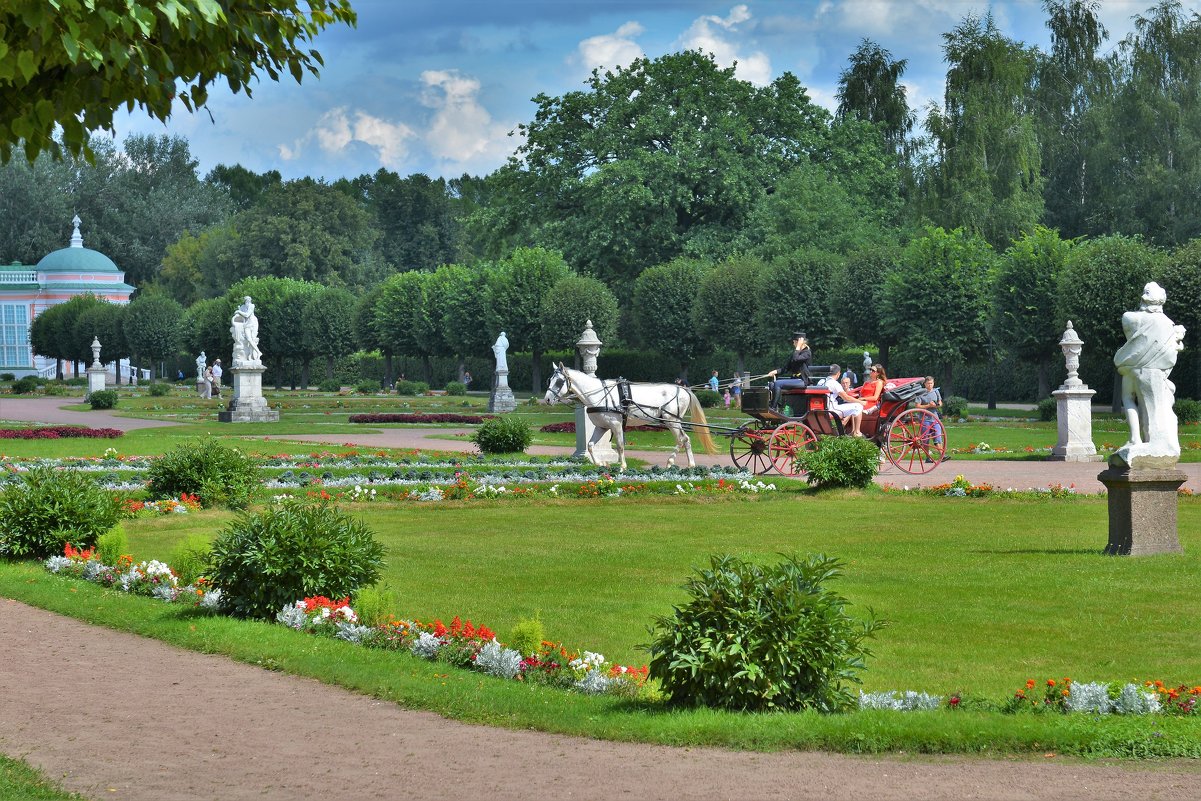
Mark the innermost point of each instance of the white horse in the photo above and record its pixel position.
(664, 404)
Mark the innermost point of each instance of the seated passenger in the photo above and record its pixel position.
(842, 402)
(796, 372)
(871, 390)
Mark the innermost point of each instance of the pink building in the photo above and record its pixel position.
(25, 292)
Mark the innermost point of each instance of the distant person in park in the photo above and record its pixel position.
(714, 384)
(726, 397)
(206, 390)
(849, 374)
(873, 388)
(467, 379)
(215, 384)
(796, 372)
(736, 391)
(842, 402)
(931, 400)
(179, 376)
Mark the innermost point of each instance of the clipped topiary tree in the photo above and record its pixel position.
(265, 561)
(762, 638)
(49, 508)
(504, 434)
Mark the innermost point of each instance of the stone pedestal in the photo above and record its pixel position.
(96, 378)
(1075, 415)
(201, 387)
(501, 400)
(1142, 510)
(248, 404)
(602, 451)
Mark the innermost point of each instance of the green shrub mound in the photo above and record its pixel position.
(25, 386)
(1048, 409)
(289, 551)
(331, 385)
(216, 475)
(8, 376)
(404, 387)
(1187, 410)
(158, 389)
(112, 545)
(761, 638)
(103, 399)
(840, 462)
(49, 508)
(456, 388)
(504, 434)
(367, 387)
(708, 398)
(954, 407)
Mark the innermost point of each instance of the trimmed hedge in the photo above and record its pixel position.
(442, 417)
(60, 432)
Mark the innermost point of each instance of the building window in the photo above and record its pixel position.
(14, 336)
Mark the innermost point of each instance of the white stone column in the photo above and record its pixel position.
(96, 373)
(589, 346)
(1074, 407)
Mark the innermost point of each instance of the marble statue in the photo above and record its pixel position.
(499, 347)
(201, 363)
(1144, 362)
(244, 327)
(867, 365)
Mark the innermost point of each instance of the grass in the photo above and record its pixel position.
(20, 780)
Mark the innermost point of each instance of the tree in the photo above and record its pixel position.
(870, 89)
(986, 172)
(243, 186)
(649, 158)
(462, 302)
(104, 322)
(206, 327)
(937, 302)
(663, 300)
(73, 63)
(724, 310)
(1102, 279)
(858, 290)
(794, 294)
(153, 327)
(570, 304)
(415, 218)
(515, 292)
(1181, 277)
(70, 344)
(367, 330)
(278, 305)
(1025, 298)
(398, 315)
(328, 323)
(35, 208)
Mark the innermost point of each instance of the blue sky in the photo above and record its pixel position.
(437, 87)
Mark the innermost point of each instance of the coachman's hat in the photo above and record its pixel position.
(799, 335)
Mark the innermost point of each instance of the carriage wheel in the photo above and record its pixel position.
(748, 449)
(916, 441)
(786, 444)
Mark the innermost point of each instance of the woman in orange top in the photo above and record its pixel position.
(871, 390)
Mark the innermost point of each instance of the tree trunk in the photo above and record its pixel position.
(329, 368)
(305, 374)
(536, 372)
(279, 373)
(884, 356)
(427, 367)
(1116, 405)
(992, 382)
(1044, 383)
(58, 369)
(739, 363)
(388, 382)
(948, 384)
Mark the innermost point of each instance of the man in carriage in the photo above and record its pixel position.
(795, 373)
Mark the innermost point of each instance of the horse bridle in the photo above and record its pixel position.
(565, 387)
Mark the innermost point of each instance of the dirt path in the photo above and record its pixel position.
(130, 718)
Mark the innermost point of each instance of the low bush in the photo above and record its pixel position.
(112, 545)
(840, 462)
(331, 385)
(404, 387)
(762, 638)
(367, 387)
(268, 560)
(1048, 409)
(456, 388)
(1187, 410)
(216, 475)
(60, 432)
(49, 508)
(159, 389)
(190, 558)
(504, 434)
(24, 386)
(374, 605)
(527, 635)
(708, 398)
(77, 381)
(56, 388)
(416, 417)
(954, 407)
(103, 399)
(8, 377)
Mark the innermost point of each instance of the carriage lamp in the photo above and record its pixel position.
(589, 346)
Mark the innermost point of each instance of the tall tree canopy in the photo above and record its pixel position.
(870, 89)
(73, 63)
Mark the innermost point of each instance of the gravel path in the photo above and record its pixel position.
(125, 717)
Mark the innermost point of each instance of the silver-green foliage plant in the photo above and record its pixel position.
(841, 462)
(49, 508)
(267, 560)
(760, 638)
(217, 475)
(504, 434)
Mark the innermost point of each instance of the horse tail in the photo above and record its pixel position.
(698, 416)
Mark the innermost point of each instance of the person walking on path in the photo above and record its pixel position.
(215, 384)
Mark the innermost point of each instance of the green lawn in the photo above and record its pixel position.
(19, 780)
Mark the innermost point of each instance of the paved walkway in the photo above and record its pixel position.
(1002, 474)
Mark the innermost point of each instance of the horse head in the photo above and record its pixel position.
(559, 389)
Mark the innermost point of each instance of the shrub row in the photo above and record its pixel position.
(444, 417)
(60, 432)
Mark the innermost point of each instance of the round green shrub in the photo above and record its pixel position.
(954, 407)
(268, 560)
(456, 388)
(49, 508)
(1187, 410)
(217, 475)
(8, 376)
(103, 399)
(330, 385)
(504, 434)
(159, 389)
(841, 462)
(59, 388)
(412, 387)
(708, 398)
(757, 638)
(77, 381)
(112, 545)
(367, 387)
(25, 386)
(1048, 409)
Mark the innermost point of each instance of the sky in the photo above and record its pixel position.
(440, 86)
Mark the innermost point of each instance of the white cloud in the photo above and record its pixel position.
(720, 36)
(615, 49)
(462, 131)
(337, 129)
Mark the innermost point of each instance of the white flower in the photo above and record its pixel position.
(1089, 697)
(497, 660)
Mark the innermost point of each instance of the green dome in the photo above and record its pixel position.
(77, 260)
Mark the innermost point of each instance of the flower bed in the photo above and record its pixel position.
(60, 432)
(446, 417)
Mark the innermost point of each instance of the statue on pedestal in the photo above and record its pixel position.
(499, 348)
(1144, 362)
(244, 328)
